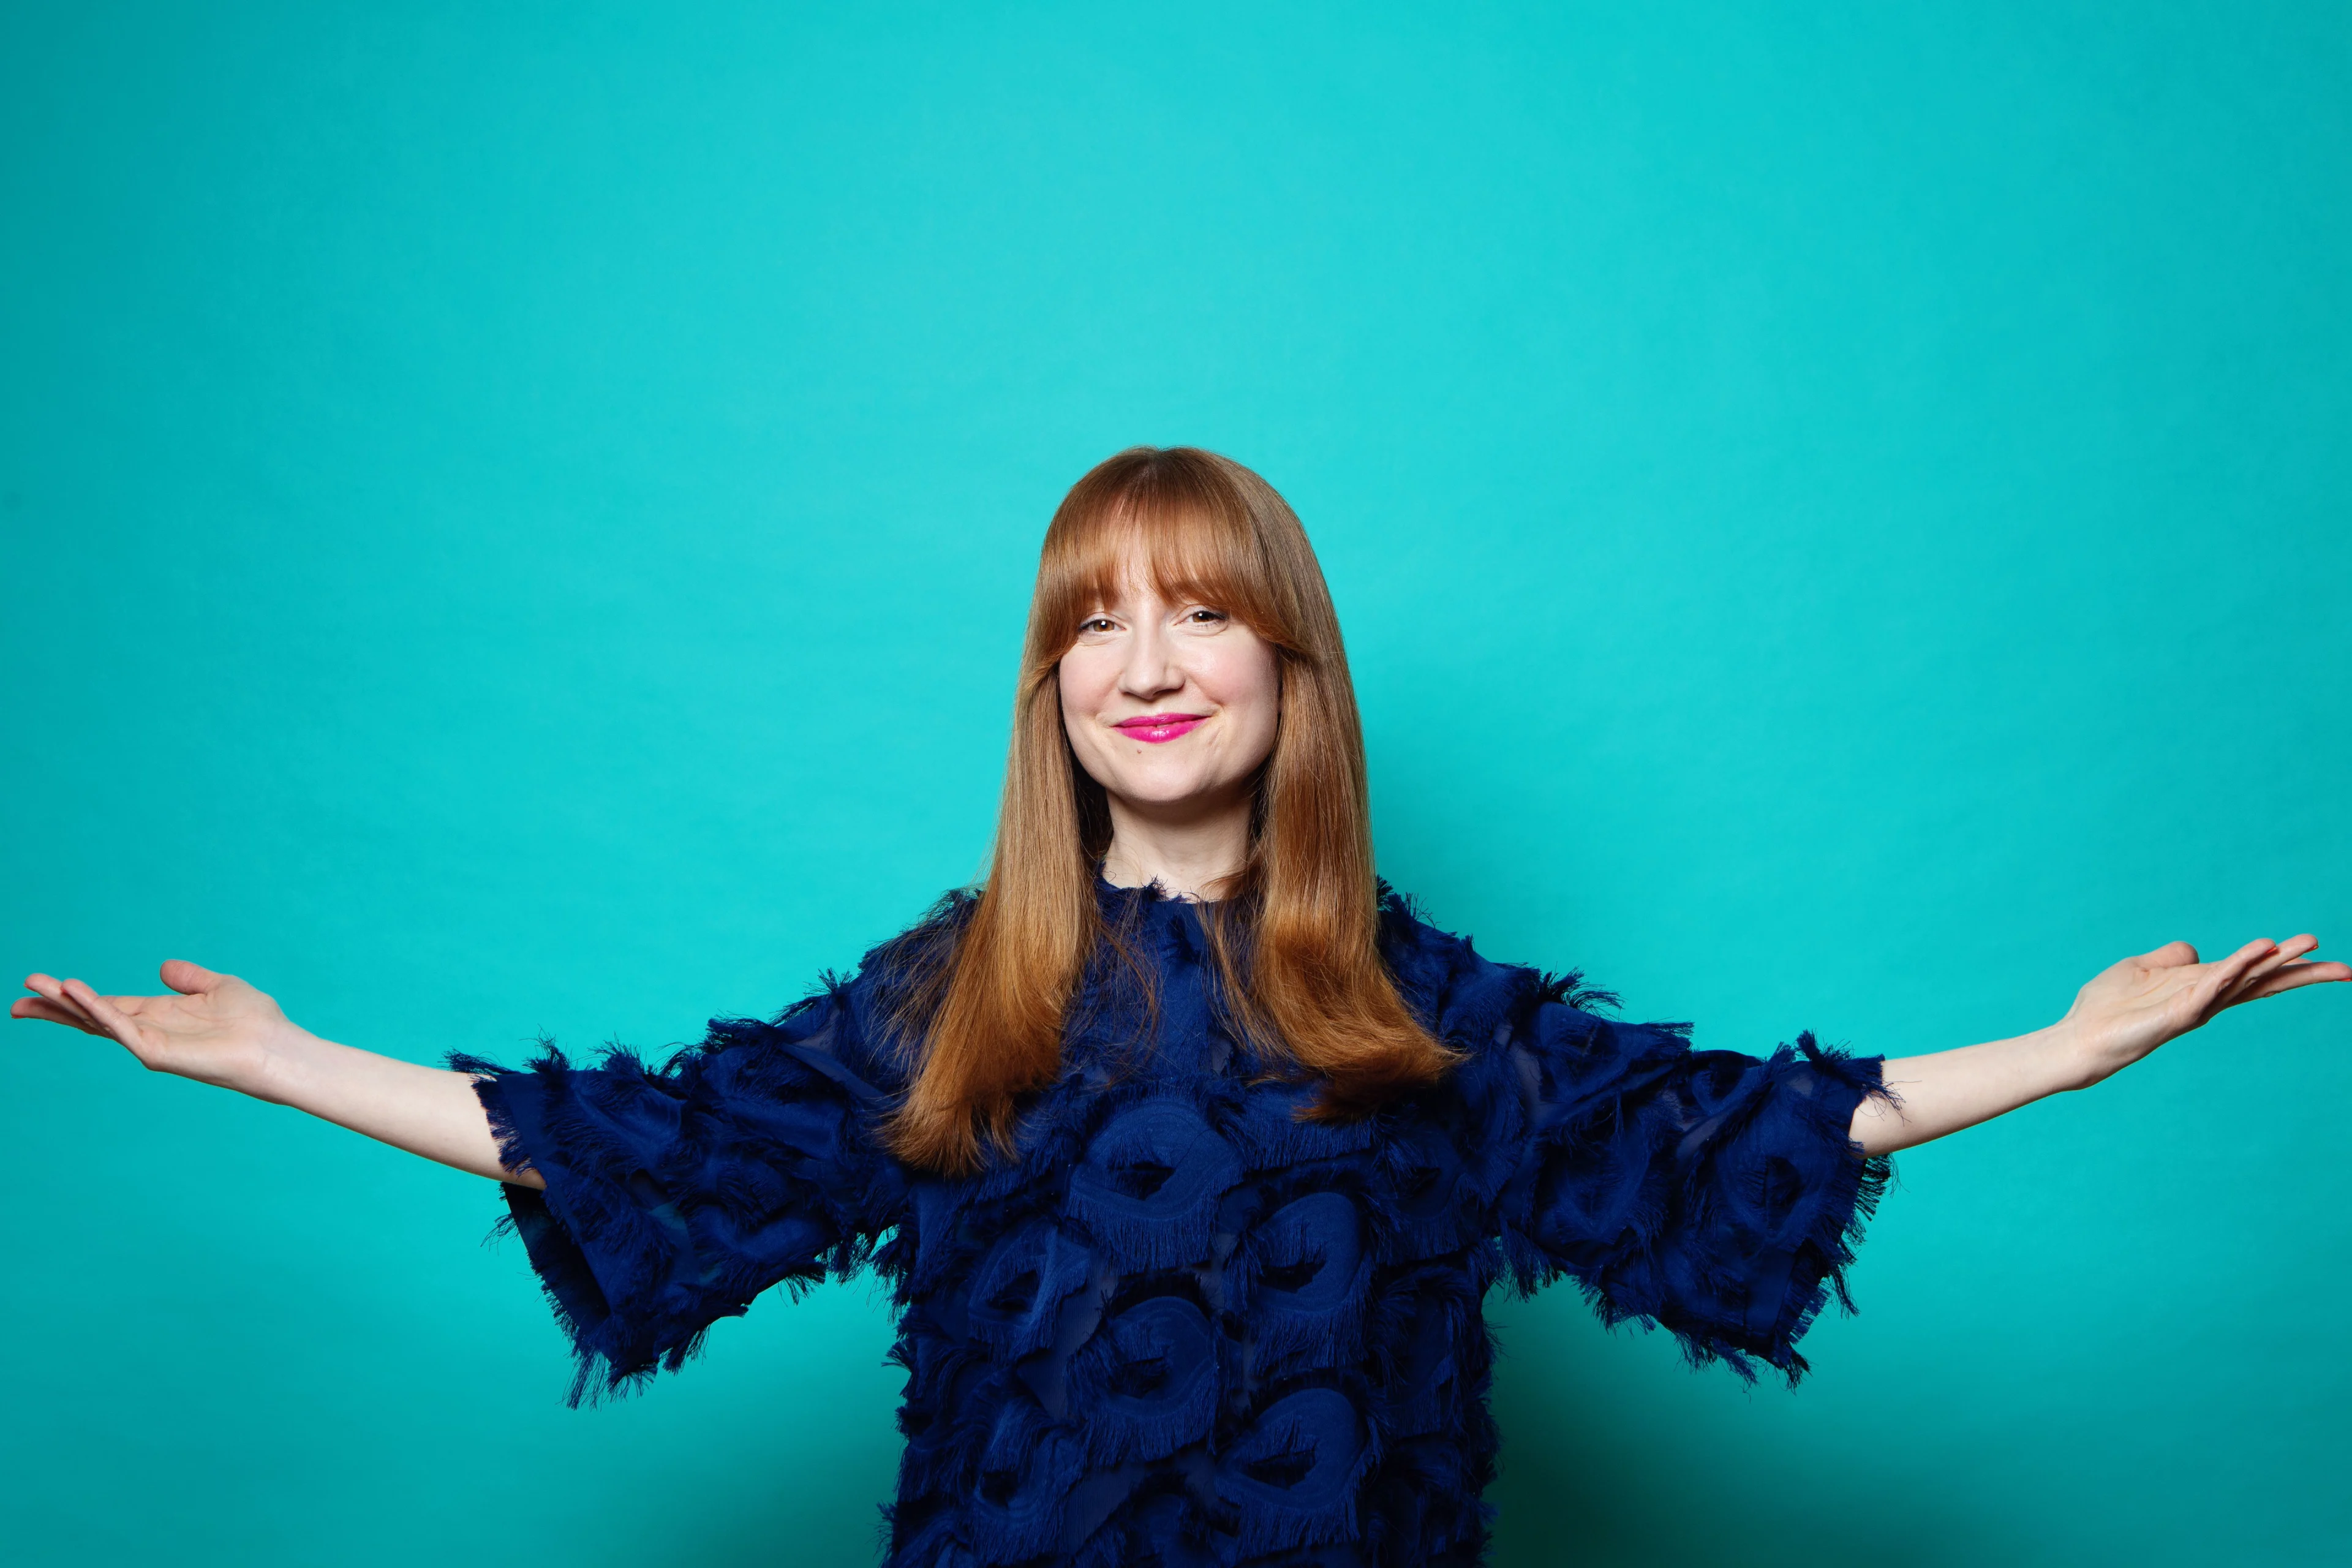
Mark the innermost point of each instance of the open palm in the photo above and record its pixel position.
(2132, 1007)
(212, 1027)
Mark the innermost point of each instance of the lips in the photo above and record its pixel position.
(1157, 728)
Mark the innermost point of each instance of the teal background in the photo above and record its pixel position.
(518, 518)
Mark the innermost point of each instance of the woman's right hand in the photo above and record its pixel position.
(214, 1028)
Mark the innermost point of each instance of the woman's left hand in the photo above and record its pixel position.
(2134, 1006)
(2122, 1014)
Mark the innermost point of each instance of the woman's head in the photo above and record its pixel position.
(1173, 584)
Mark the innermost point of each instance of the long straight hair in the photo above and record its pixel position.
(1308, 988)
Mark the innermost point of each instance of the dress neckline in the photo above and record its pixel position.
(1150, 893)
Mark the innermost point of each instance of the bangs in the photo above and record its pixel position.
(1187, 532)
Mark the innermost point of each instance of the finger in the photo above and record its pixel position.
(2294, 976)
(44, 1012)
(53, 990)
(47, 985)
(190, 979)
(2280, 955)
(2171, 955)
(2222, 975)
(108, 1015)
(2296, 947)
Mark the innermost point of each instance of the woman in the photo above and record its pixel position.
(1190, 1151)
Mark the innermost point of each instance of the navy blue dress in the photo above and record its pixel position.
(1186, 1328)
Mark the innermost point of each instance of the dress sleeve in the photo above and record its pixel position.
(1716, 1193)
(676, 1194)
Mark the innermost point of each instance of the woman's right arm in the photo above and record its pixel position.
(220, 1030)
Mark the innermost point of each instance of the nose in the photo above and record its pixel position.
(1151, 669)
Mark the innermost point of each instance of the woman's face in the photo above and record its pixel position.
(1170, 707)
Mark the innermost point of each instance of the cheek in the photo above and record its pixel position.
(1088, 687)
(1081, 701)
(1082, 687)
(1249, 683)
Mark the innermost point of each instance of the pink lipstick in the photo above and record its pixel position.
(1159, 728)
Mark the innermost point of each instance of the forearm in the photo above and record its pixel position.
(214, 1028)
(426, 1110)
(1947, 1090)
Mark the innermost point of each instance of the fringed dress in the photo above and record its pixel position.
(1185, 1327)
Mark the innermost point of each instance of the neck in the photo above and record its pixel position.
(1186, 850)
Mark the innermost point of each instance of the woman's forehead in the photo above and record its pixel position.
(1161, 551)
(1136, 564)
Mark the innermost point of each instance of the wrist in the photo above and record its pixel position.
(2073, 1058)
(281, 1063)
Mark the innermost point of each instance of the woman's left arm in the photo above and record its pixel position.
(2120, 1016)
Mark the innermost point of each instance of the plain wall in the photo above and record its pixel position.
(518, 519)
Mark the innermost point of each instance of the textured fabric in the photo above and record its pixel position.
(1186, 1328)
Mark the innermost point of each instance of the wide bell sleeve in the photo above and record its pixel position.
(1716, 1193)
(675, 1194)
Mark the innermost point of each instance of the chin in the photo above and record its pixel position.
(1167, 789)
(1160, 791)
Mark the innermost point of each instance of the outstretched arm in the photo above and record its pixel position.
(217, 1029)
(2120, 1016)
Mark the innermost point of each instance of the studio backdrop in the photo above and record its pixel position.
(518, 522)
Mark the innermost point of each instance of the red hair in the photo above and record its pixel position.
(1312, 990)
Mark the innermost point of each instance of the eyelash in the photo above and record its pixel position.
(1104, 622)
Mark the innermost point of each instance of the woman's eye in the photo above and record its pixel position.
(1095, 624)
(1204, 617)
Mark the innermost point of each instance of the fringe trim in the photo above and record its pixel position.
(635, 1279)
(1846, 1194)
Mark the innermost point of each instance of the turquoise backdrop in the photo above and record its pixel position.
(518, 519)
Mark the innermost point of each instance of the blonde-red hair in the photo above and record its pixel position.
(1315, 990)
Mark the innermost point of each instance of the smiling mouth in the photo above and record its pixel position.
(1159, 728)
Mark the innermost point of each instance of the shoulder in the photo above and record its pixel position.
(1459, 993)
(1531, 1035)
(854, 1028)
(898, 971)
